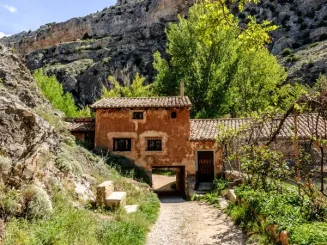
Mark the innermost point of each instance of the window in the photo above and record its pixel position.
(154, 145)
(138, 115)
(122, 144)
(173, 114)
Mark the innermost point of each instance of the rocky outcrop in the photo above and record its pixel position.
(121, 40)
(302, 29)
(22, 132)
(32, 151)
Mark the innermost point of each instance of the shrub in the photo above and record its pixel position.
(9, 202)
(37, 202)
(5, 165)
(67, 164)
(63, 163)
(293, 58)
(305, 234)
(287, 52)
(54, 92)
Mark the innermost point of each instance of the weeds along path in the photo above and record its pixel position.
(193, 223)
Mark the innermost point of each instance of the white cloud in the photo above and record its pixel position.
(11, 9)
(3, 35)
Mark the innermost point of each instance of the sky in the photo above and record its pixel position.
(24, 15)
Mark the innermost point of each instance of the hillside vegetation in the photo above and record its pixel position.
(48, 182)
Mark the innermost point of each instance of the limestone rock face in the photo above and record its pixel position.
(22, 132)
(302, 28)
(121, 40)
(83, 52)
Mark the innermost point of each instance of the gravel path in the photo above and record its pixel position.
(193, 223)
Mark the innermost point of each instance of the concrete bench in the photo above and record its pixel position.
(104, 190)
(116, 200)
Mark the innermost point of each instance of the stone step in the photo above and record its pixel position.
(204, 186)
(116, 200)
(201, 193)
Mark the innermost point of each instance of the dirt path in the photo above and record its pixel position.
(193, 223)
(162, 183)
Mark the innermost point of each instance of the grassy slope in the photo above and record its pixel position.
(85, 224)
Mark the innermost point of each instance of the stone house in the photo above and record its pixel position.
(158, 133)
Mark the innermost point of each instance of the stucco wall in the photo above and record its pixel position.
(157, 123)
(207, 146)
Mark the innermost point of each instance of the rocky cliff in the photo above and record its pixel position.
(121, 40)
(301, 39)
(34, 152)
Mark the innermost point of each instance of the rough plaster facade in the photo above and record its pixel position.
(177, 149)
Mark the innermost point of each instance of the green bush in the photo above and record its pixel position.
(287, 52)
(54, 92)
(293, 58)
(285, 209)
(5, 165)
(9, 202)
(312, 233)
(238, 214)
(67, 164)
(37, 202)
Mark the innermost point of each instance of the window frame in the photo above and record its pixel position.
(134, 117)
(127, 140)
(154, 147)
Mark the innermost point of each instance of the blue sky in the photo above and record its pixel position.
(23, 15)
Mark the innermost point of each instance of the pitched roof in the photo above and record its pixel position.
(82, 127)
(154, 102)
(207, 129)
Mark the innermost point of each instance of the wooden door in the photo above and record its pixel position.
(205, 166)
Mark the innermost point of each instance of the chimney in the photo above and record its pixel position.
(182, 89)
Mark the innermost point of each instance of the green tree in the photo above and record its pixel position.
(226, 69)
(136, 88)
(60, 100)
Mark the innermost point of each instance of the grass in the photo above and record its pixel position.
(164, 172)
(68, 225)
(285, 209)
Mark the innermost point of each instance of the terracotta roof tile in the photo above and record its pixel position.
(207, 129)
(155, 102)
(82, 127)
